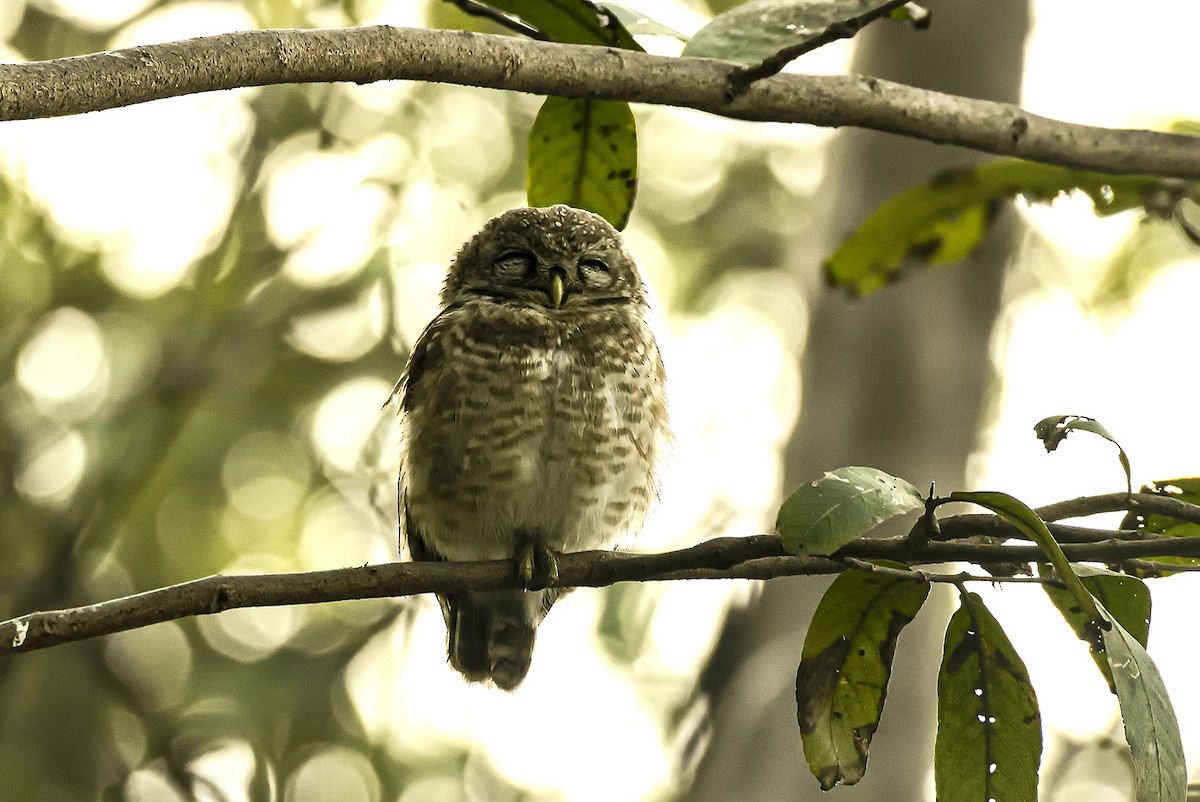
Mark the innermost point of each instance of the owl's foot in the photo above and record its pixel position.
(537, 564)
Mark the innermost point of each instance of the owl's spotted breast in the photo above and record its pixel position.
(522, 422)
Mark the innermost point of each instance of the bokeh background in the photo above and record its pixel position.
(206, 300)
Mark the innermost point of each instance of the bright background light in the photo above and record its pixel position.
(1069, 341)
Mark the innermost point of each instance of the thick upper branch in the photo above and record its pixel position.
(363, 55)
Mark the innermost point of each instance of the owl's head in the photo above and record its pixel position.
(557, 257)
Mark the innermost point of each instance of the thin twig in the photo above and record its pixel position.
(476, 9)
(1154, 567)
(1159, 503)
(991, 526)
(933, 577)
(960, 526)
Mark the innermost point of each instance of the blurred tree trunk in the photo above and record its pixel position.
(895, 381)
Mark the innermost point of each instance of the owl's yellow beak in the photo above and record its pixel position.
(557, 288)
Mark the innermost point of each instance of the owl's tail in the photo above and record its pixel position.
(492, 634)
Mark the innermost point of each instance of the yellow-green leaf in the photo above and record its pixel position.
(945, 219)
(584, 153)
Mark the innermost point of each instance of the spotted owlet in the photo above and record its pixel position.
(534, 420)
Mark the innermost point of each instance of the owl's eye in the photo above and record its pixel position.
(595, 273)
(513, 265)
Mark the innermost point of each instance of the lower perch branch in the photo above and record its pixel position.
(755, 557)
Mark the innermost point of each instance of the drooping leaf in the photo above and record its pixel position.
(584, 153)
(759, 29)
(1054, 429)
(572, 21)
(1025, 519)
(989, 737)
(1151, 728)
(945, 219)
(845, 666)
(1126, 598)
(824, 515)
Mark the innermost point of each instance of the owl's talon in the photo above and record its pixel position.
(549, 566)
(537, 565)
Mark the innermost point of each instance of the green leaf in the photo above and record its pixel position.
(1186, 490)
(1126, 598)
(1151, 729)
(572, 21)
(1054, 429)
(584, 153)
(945, 219)
(845, 666)
(638, 23)
(1028, 522)
(822, 516)
(759, 29)
(989, 736)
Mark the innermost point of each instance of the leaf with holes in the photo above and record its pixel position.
(989, 737)
(1126, 599)
(822, 516)
(584, 153)
(845, 666)
(1151, 729)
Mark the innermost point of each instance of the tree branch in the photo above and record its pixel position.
(755, 557)
(363, 55)
(966, 525)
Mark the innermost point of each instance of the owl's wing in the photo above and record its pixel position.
(425, 352)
